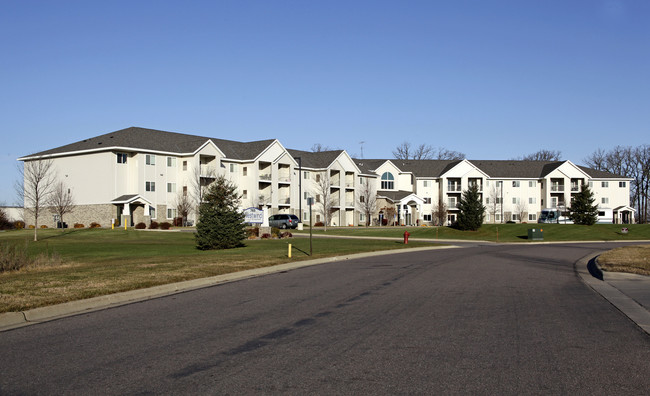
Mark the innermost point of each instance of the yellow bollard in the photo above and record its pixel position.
(289, 250)
(125, 225)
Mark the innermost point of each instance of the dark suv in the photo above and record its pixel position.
(284, 221)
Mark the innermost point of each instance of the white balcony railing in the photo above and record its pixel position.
(557, 188)
(265, 176)
(454, 188)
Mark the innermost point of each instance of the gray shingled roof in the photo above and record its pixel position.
(316, 160)
(394, 196)
(155, 140)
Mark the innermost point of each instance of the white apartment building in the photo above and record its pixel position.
(139, 175)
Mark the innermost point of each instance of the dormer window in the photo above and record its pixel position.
(387, 181)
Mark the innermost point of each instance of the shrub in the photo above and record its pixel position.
(43, 226)
(13, 259)
(31, 226)
(266, 236)
(154, 225)
(165, 225)
(78, 225)
(19, 225)
(319, 224)
(140, 226)
(5, 224)
(252, 232)
(95, 225)
(178, 222)
(275, 232)
(286, 234)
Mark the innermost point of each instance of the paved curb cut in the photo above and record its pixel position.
(592, 275)
(12, 320)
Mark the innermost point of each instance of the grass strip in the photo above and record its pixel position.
(630, 259)
(98, 262)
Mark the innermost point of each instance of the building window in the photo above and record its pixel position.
(498, 200)
(532, 200)
(604, 200)
(121, 158)
(487, 200)
(387, 181)
(361, 181)
(150, 159)
(622, 184)
(171, 213)
(305, 195)
(427, 200)
(184, 191)
(515, 183)
(362, 199)
(152, 212)
(318, 178)
(305, 175)
(318, 198)
(497, 217)
(305, 216)
(516, 217)
(532, 216)
(515, 200)
(171, 162)
(233, 168)
(427, 217)
(532, 183)
(425, 183)
(604, 184)
(362, 217)
(171, 187)
(150, 186)
(184, 165)
(245, 194)
(451, 202)
(245, 171)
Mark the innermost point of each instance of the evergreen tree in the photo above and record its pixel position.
(583, 211)
(472, 211)
(220, 224)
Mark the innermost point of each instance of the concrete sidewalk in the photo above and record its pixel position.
(629, 293)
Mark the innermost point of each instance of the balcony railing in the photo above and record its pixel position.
(557, 188)
(454, 188)
(284, 201)
(284, 179)
(575, 188)
(208, 171)
(349, 185)
(265, 177)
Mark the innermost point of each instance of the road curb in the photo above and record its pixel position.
(591, 274)
(12, 320)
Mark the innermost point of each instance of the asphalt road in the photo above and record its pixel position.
(501, 319)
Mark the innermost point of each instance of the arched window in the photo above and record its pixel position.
(387, 181)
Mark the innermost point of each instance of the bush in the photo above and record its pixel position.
(94, 225)
(286, 234)
(275, 232)
(165, 225)
(178, 222)
(5, 224)
(19, 225)
(266, 236)
(319, 224)
(252, 232)
(78, 225)
(140, 226)
(154, 225)
(43, 226)
(31, 226)
(13, 259)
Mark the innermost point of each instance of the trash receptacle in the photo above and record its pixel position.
(535, 234)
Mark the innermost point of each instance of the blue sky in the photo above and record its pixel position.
(492, 79)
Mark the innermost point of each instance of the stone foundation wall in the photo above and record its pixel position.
(83, 214)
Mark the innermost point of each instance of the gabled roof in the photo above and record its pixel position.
(394, 196)
(159, 141)
(316, 160)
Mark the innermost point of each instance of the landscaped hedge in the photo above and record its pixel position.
(140, 226)
(165, 225)
(154, 225)
(78, 225)
(95, 225)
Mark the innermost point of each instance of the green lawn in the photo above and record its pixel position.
(505, 232)
(100, 261)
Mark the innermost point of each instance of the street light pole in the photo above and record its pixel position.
(300, 188)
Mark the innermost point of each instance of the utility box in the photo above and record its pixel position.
(535, 234)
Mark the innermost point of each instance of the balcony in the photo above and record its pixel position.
(349, 185)
(208, 172)
(575, 188)
(454, 188)
(266, 177)
(284, 179)
(284, 201)
(557, 188)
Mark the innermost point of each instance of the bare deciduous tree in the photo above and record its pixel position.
(543, 155)
(425, 152)
(183, 205)
(439, 214)
(201, 178)
(494, 200)
(324, 199)
(521, 209)
(367, 201)
(61, 202)
(317, 148)
(37, 185)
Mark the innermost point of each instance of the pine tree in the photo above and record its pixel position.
(583, 211)
(220, 224)
(472, 211)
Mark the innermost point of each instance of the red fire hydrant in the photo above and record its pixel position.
(406, 237)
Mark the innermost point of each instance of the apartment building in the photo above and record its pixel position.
(140, 175)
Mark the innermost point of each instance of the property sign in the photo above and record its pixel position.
(253, 215)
